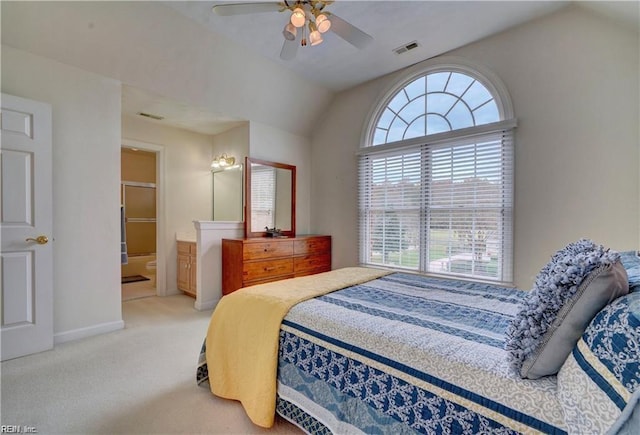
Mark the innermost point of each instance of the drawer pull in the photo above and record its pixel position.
(269, 269)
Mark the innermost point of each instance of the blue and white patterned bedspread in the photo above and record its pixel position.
(409, 354)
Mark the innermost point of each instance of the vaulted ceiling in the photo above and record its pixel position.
(436, 26)
(114, 38)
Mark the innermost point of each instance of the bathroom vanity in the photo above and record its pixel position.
(187, 267)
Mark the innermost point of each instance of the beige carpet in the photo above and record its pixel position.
(140, 289)
(137, 380)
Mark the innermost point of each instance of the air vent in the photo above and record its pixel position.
(149, 115)
(406, 47)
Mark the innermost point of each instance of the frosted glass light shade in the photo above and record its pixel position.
(315, 37)
(290, 32)
(323, 23)
(298, 18)
(223, 161)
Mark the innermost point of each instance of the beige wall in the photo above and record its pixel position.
(148, 45)
(88, 134)
(86, 180)
(228, 192)
(186, 189)
(574, 82)
(87, 129)
(233, 142)
(573, 78)
(275, 145)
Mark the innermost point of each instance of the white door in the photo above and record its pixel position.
(26, 226)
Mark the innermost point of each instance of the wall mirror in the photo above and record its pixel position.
(227, 194)
(270, 198)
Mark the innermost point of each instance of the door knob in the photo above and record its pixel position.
(40, 240)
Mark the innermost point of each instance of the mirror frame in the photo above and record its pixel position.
(247, 197)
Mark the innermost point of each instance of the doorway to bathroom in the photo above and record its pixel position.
(138, 199)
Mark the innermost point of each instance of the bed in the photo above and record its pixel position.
(359, 350)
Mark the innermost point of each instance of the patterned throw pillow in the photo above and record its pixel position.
(599, 384)
(578, 282)
(631, 262)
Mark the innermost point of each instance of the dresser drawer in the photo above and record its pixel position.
(312, 263)
(258, 270)
(266, 280)
(315, 245)
(253, 261)
(256, 251)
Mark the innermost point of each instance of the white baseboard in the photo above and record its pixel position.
(89, 331)
(206, 305)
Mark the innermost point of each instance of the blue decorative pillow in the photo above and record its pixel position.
(599, 384)
(578, 282)
(631, 262)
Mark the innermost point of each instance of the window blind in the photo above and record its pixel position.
(442, 208)
(262, 197)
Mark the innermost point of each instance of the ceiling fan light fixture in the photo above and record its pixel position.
(290, 32)
(306, 23)
(315, 38)
(323, 23)
(298, 17)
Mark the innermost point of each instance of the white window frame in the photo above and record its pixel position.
(505, 126)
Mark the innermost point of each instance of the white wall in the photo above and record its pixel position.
(573, 79)
(275, 145)
(574, 82)
(228, 192)
(233, 142)
(86, 193)
(209, 241)
(187, 185)
(228, 201)
(187, 64)
(150, 46)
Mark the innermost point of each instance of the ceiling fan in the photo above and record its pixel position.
(308, 20)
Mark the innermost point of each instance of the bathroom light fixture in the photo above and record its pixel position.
(222, 162)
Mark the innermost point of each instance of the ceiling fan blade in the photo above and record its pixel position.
(245, 8)
(349, 32)
(289, 49)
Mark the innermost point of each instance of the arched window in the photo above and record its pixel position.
(436, 176)
(435, 103)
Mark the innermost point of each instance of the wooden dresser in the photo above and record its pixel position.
(252, 261)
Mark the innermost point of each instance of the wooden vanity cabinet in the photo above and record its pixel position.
(252, 261)
(187, 267)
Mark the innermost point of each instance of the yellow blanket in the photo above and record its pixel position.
(242, 339)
